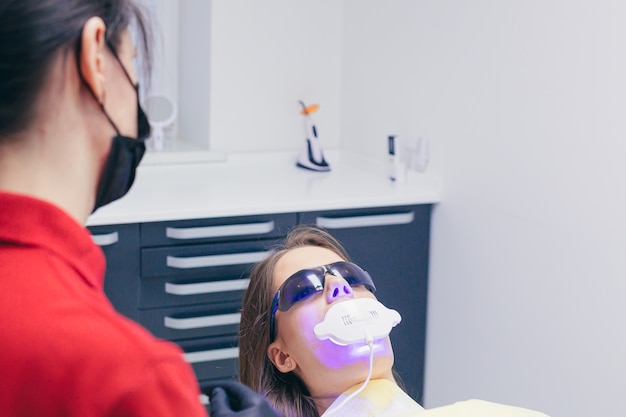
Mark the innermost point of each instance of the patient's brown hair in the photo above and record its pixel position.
(286, 392)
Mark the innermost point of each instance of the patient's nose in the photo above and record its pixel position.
(337, 288)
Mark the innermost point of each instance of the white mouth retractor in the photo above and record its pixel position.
(359, 320)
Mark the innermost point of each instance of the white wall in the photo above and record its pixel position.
(524, 103)
(265, 56)
(380, 75)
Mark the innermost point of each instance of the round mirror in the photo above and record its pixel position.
(161, 112)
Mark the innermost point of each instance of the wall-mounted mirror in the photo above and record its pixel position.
(161, 111)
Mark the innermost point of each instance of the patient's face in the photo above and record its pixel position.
(325, 368)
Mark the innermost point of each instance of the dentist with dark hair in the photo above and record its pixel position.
(71, 136)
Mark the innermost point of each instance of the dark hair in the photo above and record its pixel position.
(286, 392)
(34, 32)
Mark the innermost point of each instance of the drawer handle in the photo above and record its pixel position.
(201, 322)
(215, 260)
(106, 240)
(212, 355)
(206, 287)
(365, 221)
(219, 231)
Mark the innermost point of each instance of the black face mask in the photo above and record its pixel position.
(126, 152)
(121, 166)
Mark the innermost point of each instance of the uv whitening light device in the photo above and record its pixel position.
(358, 320)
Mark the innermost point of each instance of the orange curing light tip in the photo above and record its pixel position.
(310, 109)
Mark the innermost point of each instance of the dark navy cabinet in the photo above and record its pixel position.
(120, 244)
(184, 280)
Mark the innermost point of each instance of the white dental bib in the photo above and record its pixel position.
(380, 398)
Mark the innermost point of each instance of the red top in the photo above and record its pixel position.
(64, 350)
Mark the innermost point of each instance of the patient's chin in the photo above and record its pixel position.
(334, 356)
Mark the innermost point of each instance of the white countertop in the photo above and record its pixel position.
(262, 183)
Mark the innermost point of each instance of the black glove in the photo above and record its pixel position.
(232, 399)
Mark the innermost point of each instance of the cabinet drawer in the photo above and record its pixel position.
(218, 285)
(193, 321)
(362, 219)
(214, 358)
(226, 229)
(198, 260)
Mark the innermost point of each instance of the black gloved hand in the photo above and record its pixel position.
(233, 399)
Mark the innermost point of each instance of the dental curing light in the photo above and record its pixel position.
(312, 157)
